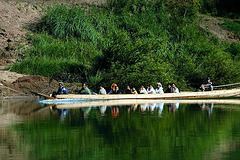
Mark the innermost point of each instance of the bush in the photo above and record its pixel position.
(130, 42)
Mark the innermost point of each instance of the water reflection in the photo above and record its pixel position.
(103, 110)
(159, 108)
(61, 112)
(114, 111)
(120, 130)
(207, 107)
(173, 107)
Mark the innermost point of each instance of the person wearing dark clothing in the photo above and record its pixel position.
(128, 90)
(62, 89)
(169, 88)
(207, 86)
(115, 90)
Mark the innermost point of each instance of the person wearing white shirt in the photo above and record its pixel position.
(175, 89)
(102, 90)
(143, 90)
(151, 90)
(159, 89)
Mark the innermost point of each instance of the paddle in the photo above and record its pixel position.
(42, 95)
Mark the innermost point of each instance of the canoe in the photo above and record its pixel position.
(182, 95)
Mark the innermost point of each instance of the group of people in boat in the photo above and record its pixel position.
(171, 88)
(142, 90)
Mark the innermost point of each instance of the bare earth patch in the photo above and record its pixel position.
(15, 16)
(213, 25)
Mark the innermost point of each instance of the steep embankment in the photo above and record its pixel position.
(15, 19)
(15, 16)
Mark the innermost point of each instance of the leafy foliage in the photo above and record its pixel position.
(232, 26)
(130, 42)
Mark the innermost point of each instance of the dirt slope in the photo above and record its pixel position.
(212, 25)
(14, 16)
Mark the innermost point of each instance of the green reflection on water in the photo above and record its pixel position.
(190, 132)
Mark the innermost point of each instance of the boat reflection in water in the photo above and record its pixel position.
(103, 110)
(142, 106)
(63, 113)
(116, 109)
(151, 107)
(121, 129)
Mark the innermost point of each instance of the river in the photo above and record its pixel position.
(153, 130)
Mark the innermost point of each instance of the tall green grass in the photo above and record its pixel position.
(64, 22)
(130, 42)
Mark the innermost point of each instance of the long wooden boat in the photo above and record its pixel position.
(182, 95)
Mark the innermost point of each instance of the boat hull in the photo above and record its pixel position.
(182, 95)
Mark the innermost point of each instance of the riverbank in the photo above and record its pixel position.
(114, 46)
(17, 86)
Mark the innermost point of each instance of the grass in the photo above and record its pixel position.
(232, 26)
(130, 43)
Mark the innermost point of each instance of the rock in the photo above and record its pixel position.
(7, 48)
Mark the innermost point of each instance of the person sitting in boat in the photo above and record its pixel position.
(175, 89)
(134, 91)
(117, 90)
(62, 89)
(143, 90)
(169, 88)
(151, 90)
(207, 86)
(85, 89)
(128, 90)
(159, 89)
(113, 89)
(102, 90)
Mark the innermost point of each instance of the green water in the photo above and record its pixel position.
(166, 131)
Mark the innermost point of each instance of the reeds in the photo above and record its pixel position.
(63, 22)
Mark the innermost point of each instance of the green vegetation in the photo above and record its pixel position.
(130, 42)
(186, 134)
(232, 26)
